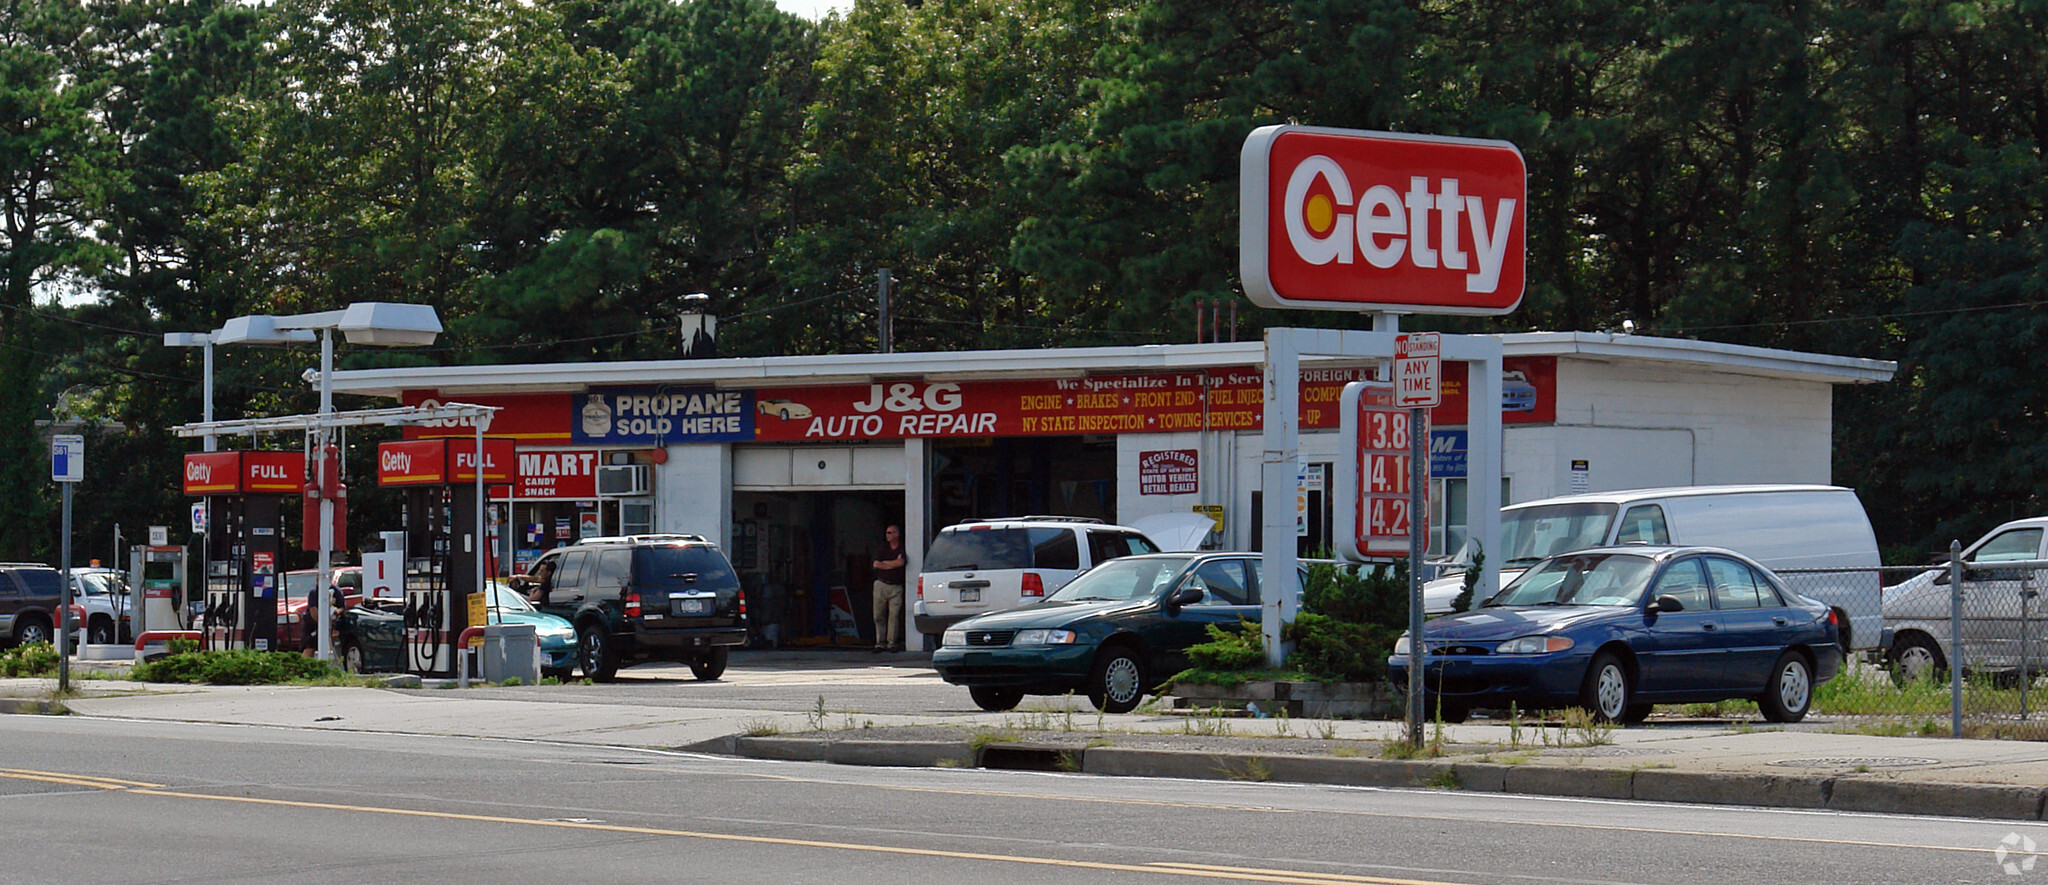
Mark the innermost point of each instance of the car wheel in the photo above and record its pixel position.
(594, 653)
(1606, 691)
(32, 629)
(712, 664)
(351, 657)
(995, 700)
(1790, 691)
(100, 632)
(1119, 681)
(1914, 657)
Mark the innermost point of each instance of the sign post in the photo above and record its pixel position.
(67, 468)
(1417, 367)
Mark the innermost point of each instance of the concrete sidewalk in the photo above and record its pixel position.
(1715, 763)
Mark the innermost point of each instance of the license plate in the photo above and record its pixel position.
(970, 594)
(689, 606)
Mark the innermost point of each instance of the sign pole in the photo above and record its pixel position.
(67, 467)
(1418, 436)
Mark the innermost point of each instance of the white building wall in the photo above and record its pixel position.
(693, 492)
(1643, 425)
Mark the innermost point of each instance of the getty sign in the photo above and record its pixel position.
(1339, 219)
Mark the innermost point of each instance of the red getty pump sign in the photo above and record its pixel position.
(1338, 219)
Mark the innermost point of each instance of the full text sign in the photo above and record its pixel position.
(1338, 219)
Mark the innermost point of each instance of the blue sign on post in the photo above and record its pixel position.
(1447, 454)
(67, 458)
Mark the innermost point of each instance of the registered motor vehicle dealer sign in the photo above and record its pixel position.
(1339, 219)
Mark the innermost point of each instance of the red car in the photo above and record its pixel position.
(292, 613)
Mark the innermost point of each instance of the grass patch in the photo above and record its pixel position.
(982, 737)
(1253, 768)
(760, 728)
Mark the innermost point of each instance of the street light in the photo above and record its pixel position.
(202, 340)
(376, 323)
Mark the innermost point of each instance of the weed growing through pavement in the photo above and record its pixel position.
(760, 728)
(1252, 768)
(1211, 723)
(816, 717)
(982, 737)
(1327, 729)
(1446, 779)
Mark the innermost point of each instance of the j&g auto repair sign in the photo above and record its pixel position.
(1340, 219)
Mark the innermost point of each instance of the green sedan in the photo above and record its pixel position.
(1111, 633)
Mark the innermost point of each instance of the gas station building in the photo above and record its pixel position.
(794, 464)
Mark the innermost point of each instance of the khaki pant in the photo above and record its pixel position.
(888, 615)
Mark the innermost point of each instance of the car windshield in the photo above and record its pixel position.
(1589, 579)
(1530, 534)
(96, 583)
(1120, 579)
(507, 599)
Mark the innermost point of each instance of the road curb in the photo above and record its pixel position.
(1997, 801)
(32, 706)
(1719, 788)
(1994, 801)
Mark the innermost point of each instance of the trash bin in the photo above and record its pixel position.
(511, 651)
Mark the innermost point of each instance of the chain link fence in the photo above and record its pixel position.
(1936, 661)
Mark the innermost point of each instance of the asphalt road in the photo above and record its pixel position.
(106, 800)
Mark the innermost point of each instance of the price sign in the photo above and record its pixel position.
(1379, 485)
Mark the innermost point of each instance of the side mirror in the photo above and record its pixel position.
(1184, 596)
(1667, 603)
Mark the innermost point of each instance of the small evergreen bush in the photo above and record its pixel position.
(233, 667)
(33, 659)
(1241, 649)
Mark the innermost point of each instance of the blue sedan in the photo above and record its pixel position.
(1619, 629)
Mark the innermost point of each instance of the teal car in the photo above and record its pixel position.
(1111, 633)
(373, 633)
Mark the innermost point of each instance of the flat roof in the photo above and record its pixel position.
(791, 371)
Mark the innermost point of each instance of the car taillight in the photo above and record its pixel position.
(632, 601)
(920, 587)
(1834, 618)
(742, 597)
(1033, 585)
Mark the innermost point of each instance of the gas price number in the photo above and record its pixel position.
(1386, 464)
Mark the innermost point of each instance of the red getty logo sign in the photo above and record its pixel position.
(1339, 219)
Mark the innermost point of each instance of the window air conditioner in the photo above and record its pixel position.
(622, 480)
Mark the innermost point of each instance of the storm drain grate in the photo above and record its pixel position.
(1853, 761)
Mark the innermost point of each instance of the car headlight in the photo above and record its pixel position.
(953, 638)
(1044, 637)
(1533, 645)
(1401, 647)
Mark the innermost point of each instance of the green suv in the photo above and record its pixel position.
(640, 598)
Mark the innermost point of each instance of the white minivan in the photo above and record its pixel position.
(1780, 526)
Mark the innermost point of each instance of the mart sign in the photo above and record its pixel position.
(1338, 219)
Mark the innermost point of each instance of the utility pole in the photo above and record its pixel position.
(888, 333)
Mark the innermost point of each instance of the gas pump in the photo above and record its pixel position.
(244, 494)
(442, 598)
(158, 574)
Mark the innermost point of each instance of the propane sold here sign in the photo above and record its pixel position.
(1339, 219)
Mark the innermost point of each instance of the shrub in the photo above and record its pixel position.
(33, 659)
(1241, 649)
(1349, 620)
(233, 667)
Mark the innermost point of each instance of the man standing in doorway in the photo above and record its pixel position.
(889, 561)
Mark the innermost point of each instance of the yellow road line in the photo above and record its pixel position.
(1182, 870)
(76, 780)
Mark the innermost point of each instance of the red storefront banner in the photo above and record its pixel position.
(529, 418)
(1230, 398)
(442, 462)
(1528, 392)
(1154, 403)
(553, 474)
(235, 473)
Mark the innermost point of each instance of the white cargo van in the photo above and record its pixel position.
(1780, 526)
